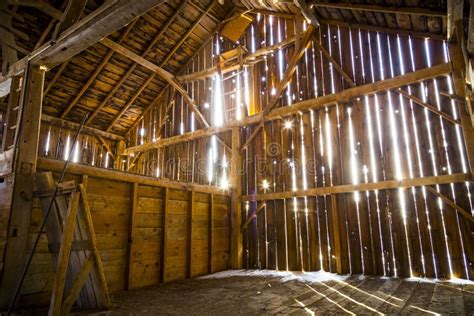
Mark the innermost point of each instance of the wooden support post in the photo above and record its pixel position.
(465, 110)
(131, 235)
(210, 228)
(25, 167)
(164, 236)
(236, 204)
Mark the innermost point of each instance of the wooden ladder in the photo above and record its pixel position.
(13, 115)
(72, 242)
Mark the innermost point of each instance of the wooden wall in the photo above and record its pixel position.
(143, 235)
(410, 132)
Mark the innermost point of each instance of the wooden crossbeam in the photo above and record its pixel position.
(379, 8)
(108, 18)
(74, 126)
(186, 137)
(306, 11)
(315, 103)
(56, 76)
(367, 89)
(80, 169)
(335, 64)
(94, 75)
(448, 201)
(369, 186)
(381, 29)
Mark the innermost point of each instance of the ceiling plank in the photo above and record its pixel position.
(168, 77)
(96, 72)
(132, 68)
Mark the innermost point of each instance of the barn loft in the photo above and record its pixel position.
(225, 156)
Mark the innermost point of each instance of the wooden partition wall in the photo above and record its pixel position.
(146, 233)
(355, 164)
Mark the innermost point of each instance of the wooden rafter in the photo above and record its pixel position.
(94, 75)
(361, 187)
(150, 46)
(168, 77)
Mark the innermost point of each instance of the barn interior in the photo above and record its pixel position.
(226, 156)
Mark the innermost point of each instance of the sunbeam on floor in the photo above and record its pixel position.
(269, 292)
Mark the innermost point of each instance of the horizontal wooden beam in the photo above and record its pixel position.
(108, 18)
(367, 89)
(380, 8)
(381, 29)
(319, 102)
(54, 165)
(361, 187)
(186, 137)
(75, 126)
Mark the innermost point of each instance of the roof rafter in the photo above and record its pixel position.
(163, 62)
(96, 72)
(132, 68)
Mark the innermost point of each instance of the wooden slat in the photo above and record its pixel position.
(63, 257)
(369, 186)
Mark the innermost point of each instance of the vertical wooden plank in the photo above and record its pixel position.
(190, 234)
(165, 234)
(210, 240)
(133, 211)
(63, 257)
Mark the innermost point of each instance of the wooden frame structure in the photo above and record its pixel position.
(307, 144)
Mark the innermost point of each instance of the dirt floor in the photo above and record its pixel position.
(265, 292)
